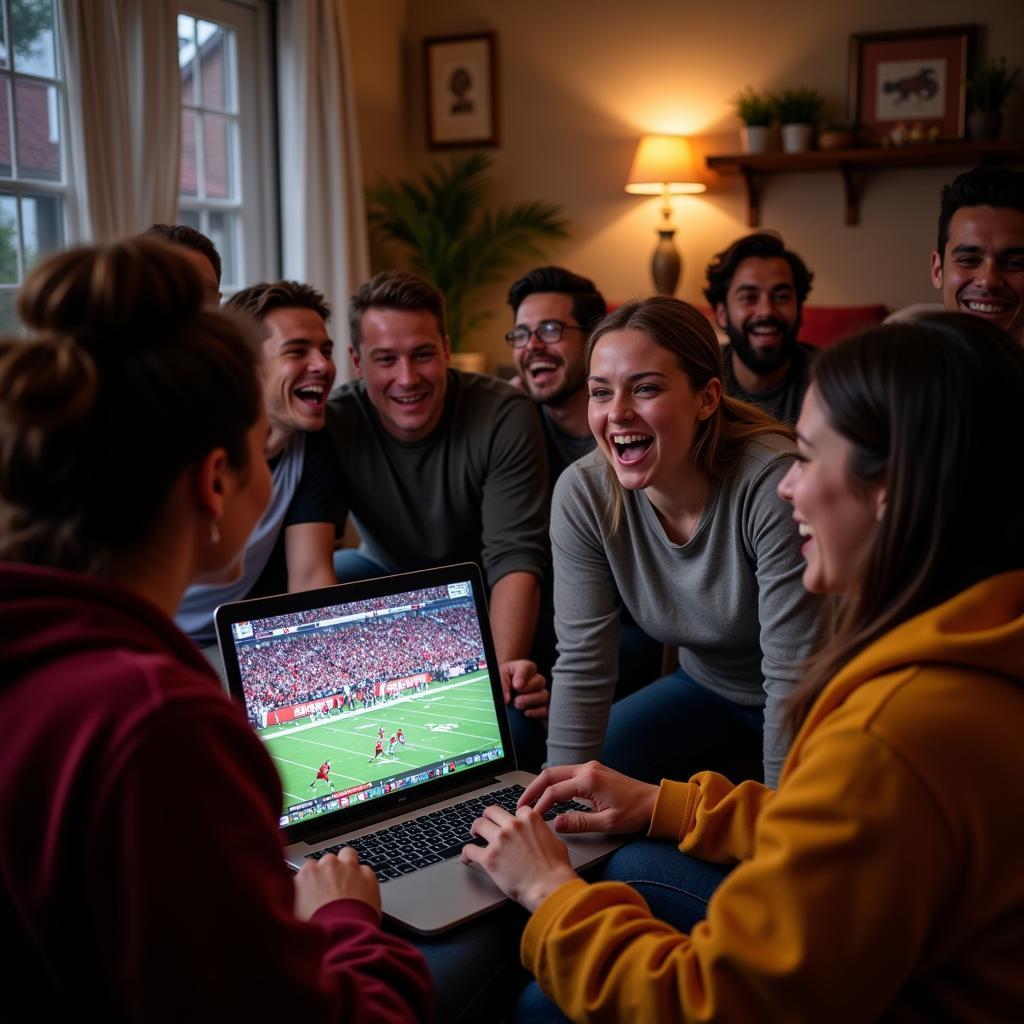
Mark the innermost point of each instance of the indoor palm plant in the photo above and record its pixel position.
(453, 240)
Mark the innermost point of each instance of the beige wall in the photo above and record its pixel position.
(581, 80)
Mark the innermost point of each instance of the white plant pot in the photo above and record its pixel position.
(756, 138)
(797, 138)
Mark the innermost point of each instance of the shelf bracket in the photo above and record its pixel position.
(753, 197)
(851, 194)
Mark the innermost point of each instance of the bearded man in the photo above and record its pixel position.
(756, 289)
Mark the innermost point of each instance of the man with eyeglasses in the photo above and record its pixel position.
(555, 311)
(440, 466)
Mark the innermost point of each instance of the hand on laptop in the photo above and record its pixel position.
(621, 804)
(523, 857)
(334, 878)
(525, 688)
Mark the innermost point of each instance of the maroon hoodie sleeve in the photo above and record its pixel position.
(194, 904)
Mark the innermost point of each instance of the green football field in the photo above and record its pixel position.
(453, 718)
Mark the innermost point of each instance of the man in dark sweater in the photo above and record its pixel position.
(439, 466)
(756, 289)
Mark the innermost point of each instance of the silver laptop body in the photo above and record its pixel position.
(380, 704)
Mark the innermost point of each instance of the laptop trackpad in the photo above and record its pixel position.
(455, 894)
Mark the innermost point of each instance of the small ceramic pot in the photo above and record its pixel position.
(797, 138)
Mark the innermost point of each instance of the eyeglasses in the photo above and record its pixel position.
(547, 331)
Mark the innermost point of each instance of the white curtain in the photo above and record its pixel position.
(124, 107)
(323, 223)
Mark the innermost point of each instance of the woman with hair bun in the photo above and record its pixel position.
(141, 875)
(882, 879)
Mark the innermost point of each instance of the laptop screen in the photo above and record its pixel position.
(358, 700)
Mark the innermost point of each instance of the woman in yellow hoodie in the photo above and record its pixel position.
(882, 878)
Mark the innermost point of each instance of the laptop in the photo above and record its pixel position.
(380, 704)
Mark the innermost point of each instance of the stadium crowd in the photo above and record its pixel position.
(322, 664)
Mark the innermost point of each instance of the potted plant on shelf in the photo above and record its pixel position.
(798, 110)
(838, 135)
(989, 86)
(453, 240)
(756, 110)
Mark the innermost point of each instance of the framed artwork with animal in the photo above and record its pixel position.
(913, 76)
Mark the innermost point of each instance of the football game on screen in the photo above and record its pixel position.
(361, 699)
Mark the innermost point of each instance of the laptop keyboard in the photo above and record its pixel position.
(434, 837)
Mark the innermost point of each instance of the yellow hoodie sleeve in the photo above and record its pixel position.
(709, 817)
(825, 921)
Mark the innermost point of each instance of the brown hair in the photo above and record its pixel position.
(188, 236)
(685, 332)
(932, 409)
(124, 382)
(394, 289)
(260, 299)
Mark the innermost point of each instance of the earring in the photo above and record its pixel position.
(214, 532)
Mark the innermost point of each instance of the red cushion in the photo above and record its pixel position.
(825, 325)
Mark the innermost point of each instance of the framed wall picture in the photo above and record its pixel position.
(462, 90)
(915, 76)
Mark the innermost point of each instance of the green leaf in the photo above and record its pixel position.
(454, 240)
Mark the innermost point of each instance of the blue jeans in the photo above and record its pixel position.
(528, 736)
(676, 887)
(475, 967)
(675, 727)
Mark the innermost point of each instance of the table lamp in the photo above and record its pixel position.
(663, 166)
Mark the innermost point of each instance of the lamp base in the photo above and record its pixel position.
(667, 265)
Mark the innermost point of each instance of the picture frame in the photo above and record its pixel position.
(913, 76)
(461, 90)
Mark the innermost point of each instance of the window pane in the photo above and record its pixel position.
(8, 240)
(5, 128)
(186, 58)
(189, 217)
(223, 227)
(32, 34)
(38, 129)
(218, 152)
(213, 46)
(189, 185)
(3, 37)
(9, 322)
(42, 224)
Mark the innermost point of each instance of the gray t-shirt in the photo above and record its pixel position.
(731, 598)
(474, 490)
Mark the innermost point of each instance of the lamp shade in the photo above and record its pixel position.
(660, 162)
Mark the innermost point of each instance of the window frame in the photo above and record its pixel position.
(256, 242)
(18, 186)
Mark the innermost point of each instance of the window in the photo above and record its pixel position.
(225, 186)
(33, 165)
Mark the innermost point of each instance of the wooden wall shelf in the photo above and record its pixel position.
(853, 162)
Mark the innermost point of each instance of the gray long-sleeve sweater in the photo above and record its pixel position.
(731, 598)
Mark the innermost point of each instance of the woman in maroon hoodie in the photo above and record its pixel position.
(141, 875)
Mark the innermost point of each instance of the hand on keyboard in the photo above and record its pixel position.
(325, 879)
(433, 837)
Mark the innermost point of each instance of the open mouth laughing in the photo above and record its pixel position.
(542, 368)
(313, 396)
(766, 332)
(631, 448)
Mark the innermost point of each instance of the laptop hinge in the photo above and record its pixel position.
(393, 812)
